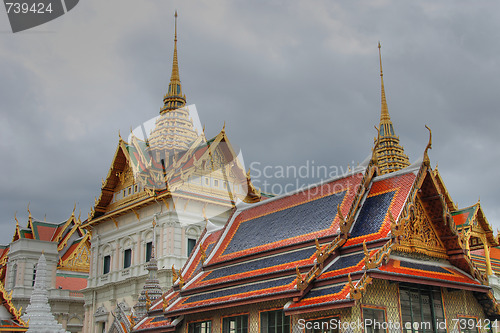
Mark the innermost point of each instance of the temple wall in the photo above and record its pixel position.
(381, 294)
(459, 304)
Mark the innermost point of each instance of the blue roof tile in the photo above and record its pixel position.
(291, 222)
(241, 289)
(265, 262)
(316, 292)
(372, 214)
(346, 261)
(424, 267)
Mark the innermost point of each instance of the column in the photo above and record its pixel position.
(489, 271)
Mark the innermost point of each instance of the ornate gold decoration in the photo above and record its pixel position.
(419, 234)
(357, 292)
(320, 255)
(253, 195)
(381, 254)
(79, 260)
(16, 313)
(150, 192)
(343, 224)
(148, 301)
(464, 238)
(164, 303)
(301, 282)
(181, 280)
(174, 275)
(203, 255)
(30, 219)
(315, 271)
(427, 161)
(390, 155)
(396, 229)
(174, 98)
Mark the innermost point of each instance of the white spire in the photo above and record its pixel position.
(41, 319)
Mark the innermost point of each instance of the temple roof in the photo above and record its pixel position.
(133, 164)
(320, 247)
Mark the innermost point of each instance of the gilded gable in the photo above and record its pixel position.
(419, 235)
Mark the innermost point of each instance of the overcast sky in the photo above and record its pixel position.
(296, 82)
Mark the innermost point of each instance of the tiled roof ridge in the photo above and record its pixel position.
(267, 252)
(254, 277)
(356, 171)
(461, 210)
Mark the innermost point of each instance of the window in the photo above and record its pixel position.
(224, 184)
(373, 320)
(323, 325)
(191, 245)
(274, 322)
(207, 181)
(200, 327)
(421, 309)
(34, 275)
(237, 324)
(107, 264)
(149, 250)
(127, 258)
(216, 183)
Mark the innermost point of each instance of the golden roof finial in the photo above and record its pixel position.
(384, 114)
(174, 98)
(390, 154)
(429, 146)
(29, 214)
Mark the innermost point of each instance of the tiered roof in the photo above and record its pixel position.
(73, 245)
(390, 154)
(320, 248)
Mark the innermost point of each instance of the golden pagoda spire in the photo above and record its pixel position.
(384, 114)
(390, 154)
(174, 98)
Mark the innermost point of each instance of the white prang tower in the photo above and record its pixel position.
(41, 319)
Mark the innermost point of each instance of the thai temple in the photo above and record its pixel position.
(66, 246)
(381, 248)
(179, 240)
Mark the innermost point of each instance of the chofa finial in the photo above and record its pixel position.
(429, 146)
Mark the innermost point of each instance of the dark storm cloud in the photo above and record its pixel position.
(295, 81)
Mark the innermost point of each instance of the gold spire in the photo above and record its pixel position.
(384, 114)
(390, 154)
(174, 98)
